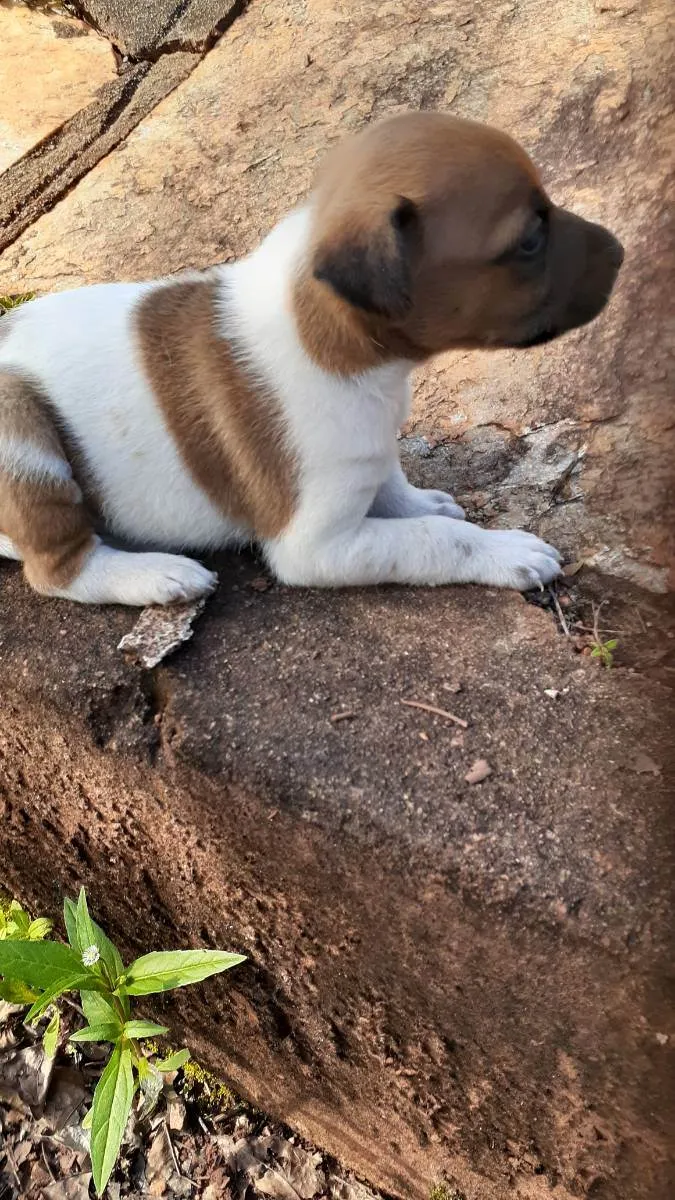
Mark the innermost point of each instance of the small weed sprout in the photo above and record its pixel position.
(39, 972)
(442, 1191)
(604, 651)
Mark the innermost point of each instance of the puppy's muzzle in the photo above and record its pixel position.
(585, 260)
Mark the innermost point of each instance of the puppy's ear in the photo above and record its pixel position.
(373, 270)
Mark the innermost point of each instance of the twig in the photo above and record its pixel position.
(587, 629)
(12, 1166)
(561, 615)
(640, 618)
(438, 712)
(71, 1004)
(596, 618)
(179, 1173)
(342, 716)
(44, 1159)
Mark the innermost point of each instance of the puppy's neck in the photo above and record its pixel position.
(342, 339)
(336, 336)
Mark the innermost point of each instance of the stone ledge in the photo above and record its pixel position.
(37, 181)
(444, 979)
(144, 31)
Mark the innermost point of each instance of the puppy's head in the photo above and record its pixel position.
(439, 232)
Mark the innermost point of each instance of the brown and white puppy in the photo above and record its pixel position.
(261, 399)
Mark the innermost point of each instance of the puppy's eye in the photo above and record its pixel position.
(533, 240)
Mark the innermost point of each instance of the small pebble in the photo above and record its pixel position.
(479, 771)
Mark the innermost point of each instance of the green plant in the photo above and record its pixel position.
(441, 1191)
(16, 925)
(604, 651)
(42, 971)
(9, 302)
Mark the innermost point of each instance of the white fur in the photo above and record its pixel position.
(358, 520)
(8, 549)
(23, 460)
(119, 577)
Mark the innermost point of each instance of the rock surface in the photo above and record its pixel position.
(51, 67)
(446, 978)
(160, 26)
(584, 85)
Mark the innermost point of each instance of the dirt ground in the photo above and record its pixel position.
(198, 1143)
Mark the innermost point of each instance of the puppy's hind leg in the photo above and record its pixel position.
(45, 524)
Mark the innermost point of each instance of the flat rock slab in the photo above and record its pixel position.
(143, 30)
(37, 181)
(586, 88)
(52, 66)
(445, 979)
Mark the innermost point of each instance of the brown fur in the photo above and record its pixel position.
(44, 517)
(228, 431)
(413, 221)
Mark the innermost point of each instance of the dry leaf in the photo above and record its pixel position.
(479, 771)
(75, 1187)
(25, 1075)
(68, 1091)
(159, 1166)
(573, 568)
(176, 1113)
(300, 1168)
(273, 1184)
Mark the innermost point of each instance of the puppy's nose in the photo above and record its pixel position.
(617, 253)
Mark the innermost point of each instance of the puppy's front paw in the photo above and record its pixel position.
(515, 559)
(442, 504)
(163, 579)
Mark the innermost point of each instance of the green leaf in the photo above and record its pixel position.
(612, 644)
(87, 1118)
(70, 922)
(97, 1008)
(66, 983)
(40, 964)
(15, 992)
(38, 929)
(88, 933)
(110, 955)
(50, 1038)
(163, 970)
(98, 1033)
(85, 927)
(112, 1105)
(174, 1061)
(19, 917)
(143, 1029)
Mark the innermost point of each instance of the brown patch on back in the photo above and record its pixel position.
(42, 514)
(228, 430)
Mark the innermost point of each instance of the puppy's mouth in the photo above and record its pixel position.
(535, 339)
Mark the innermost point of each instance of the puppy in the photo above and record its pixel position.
(261, 400)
